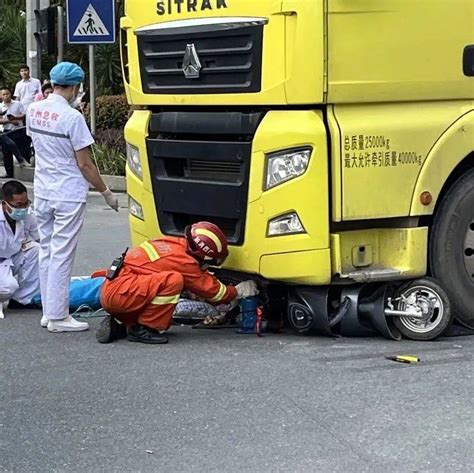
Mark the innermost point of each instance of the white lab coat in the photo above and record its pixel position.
(57, 131)
(19, 271)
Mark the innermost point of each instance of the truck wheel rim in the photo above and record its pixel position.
(429, 302)
(469, 251)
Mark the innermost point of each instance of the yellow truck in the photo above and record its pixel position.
(331, 140)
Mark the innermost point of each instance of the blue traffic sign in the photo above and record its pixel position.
(90, 21)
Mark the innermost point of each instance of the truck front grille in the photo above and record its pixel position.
(200, 167)
(230, 58)
(212, 170)
(204, 170)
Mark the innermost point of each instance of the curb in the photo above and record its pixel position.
(114, 183)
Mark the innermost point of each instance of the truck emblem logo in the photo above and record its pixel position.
(191, 63)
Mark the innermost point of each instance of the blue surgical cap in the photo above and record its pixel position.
(66, 73)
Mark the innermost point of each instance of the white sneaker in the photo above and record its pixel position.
(44, 321)
(67, 325)
(3, 306)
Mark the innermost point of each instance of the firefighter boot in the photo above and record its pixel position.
(110, 330)
(142, 334)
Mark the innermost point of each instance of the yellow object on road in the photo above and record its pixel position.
(404, 358)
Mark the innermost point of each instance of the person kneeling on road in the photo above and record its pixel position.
(19, 273)
(142, 297)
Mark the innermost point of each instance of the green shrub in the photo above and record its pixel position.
(113, 111)
(111, 137)
(109, 159)
(109, 152)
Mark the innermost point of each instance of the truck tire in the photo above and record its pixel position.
(452, 247)
(430, 298)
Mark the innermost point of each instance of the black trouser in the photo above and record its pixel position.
(7, 162)
(15, 142)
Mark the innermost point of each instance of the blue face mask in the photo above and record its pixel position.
(17, 214)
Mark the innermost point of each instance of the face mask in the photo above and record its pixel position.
(73, 100)
(17, 214)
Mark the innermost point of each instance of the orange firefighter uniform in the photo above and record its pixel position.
(151, 280)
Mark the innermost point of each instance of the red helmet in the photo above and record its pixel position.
(207, 243)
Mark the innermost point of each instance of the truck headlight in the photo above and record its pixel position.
(285, 225)
(135, 208)
(286, 165)
(133, 160)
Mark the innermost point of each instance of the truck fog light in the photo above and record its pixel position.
(285, 225)
(135, 208)
(286, 165)
(133, 160)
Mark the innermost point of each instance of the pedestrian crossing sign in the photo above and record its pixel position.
(91, 21)
(91, 24)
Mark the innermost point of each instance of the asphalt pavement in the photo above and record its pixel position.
(216, 401)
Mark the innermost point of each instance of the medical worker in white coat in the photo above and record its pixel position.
(63, 172)
(19, 278)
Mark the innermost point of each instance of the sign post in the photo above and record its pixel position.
(92, 87)
(60, 34)
(91, 22)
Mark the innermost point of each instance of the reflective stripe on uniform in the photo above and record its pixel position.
(163, 300)
(150, 250)
(221, 294)
(49, 133)
(209, 234)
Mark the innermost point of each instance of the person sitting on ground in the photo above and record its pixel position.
(142, 297)
(19, 272)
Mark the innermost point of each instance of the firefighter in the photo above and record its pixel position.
(142, 297)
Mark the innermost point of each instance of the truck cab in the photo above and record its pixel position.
(325, 137)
